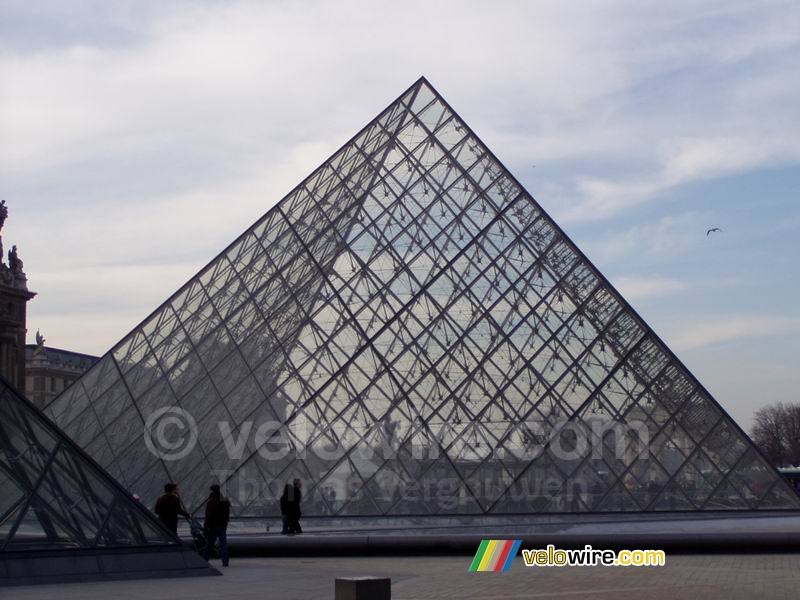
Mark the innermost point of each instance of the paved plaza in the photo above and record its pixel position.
(684, 576)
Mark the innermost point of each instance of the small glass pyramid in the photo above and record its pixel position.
(52, 496)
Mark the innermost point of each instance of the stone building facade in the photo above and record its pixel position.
(14, 297)
(49, 371)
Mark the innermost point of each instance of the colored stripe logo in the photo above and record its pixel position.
(495, 555)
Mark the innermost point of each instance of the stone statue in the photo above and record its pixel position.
(14, 262)
(3, 213)
(39, 339)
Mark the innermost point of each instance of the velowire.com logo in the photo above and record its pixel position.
(498, 555)
(495, 555)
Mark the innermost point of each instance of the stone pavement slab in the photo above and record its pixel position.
(707, 577)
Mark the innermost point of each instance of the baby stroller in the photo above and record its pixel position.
(200, 540)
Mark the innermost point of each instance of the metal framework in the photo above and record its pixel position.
(52, 496)
(412, 316)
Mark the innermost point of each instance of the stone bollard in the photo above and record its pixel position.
(363, 588)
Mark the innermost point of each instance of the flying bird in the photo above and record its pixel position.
(712, 230)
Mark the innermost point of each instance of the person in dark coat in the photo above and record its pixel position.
(290, 506)
(169, 506)
(287, 491)
(215, 526)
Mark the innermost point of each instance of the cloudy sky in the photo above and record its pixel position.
(138, 138)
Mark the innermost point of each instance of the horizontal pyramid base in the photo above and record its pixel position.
(739, 531)
(465, 544)
(81, 566)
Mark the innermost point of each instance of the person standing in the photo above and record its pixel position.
(293, 506)
(287, 492)
(169, 506)
(215, 526)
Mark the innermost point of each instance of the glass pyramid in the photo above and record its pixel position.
(431, 344)
(52, 496)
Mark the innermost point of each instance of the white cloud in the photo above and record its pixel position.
(159, 148)
(638, 288)
(89, 309)
(682, 160)
(729, 328)
(664, 237)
